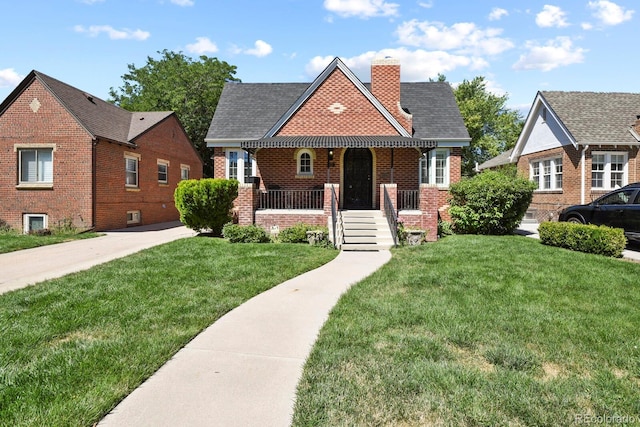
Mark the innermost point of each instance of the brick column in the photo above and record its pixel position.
(429, 208)
(245, 204)
(392, 190)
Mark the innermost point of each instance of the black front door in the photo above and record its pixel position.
(358, 168)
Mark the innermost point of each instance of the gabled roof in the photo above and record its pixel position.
(587, 118)
(99, 118)
(499, 160)
(256, 111)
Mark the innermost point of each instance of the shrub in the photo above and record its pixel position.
(206, 203)
(245, 233)
(601, 240)
(298, 233)
(4, 226)
(489, 203)
(444, 228)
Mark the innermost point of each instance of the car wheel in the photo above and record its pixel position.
(575, 220)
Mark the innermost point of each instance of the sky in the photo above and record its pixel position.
(519, 47)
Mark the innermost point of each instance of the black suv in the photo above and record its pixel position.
(619, 208)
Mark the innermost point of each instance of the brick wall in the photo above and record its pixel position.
(547, 204)
(154, 200)
(70, 196)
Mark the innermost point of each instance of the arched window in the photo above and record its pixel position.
(304, 160)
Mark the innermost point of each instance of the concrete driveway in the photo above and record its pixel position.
(27, 267)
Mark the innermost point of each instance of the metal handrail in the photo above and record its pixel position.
(336, 220)
(408, 200)
(392, 217)
(291, 199)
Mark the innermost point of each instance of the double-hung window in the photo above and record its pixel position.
(547, 173)
(131, 170)
(184, 171)
(240, 165)
(608, 170)
(36, 165)
(163, 171)
(434, 167)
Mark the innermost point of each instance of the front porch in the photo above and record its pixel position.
(276, 209)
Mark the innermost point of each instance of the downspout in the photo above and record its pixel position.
(94, 187)
(582, 177)
(391, 165)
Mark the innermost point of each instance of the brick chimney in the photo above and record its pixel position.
(385, 86)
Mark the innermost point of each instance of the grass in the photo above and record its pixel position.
(13, 241)
(479, 331)
(72, 348)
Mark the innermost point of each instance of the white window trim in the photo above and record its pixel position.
(241, 155)
(431, 158)
(606, 180)
(25, 221)
(18, 148)
(184, 168)
(135, 217)
(554, 173)
(164, 163)
(312, 156)
(136, 157)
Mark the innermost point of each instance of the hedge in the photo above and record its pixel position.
(489, 203)
(245, 234)
(601, 240)
(206, 203)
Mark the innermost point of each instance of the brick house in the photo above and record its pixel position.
(577, 146)
(296, 147)
(69, 157)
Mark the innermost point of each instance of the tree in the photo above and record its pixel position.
(177, 83)
(492, 127)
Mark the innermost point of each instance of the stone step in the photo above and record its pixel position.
(365, 247)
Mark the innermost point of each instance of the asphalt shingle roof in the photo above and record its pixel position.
(100, 118)
(596, 117)
(249, 110)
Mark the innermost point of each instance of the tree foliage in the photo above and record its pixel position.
(493, 128)
(176, 82)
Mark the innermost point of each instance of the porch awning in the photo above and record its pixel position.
(357, 141)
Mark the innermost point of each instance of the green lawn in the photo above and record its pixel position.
(13, 241)
(72, 348)
(480, 331)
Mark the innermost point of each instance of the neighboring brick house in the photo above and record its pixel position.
(577, 146)
(304, 140)
(69, 157)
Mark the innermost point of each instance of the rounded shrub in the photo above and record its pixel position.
(206, 203)
(489, 203)
(593, 239)
(298, 233)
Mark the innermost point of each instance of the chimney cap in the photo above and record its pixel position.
(387, 60)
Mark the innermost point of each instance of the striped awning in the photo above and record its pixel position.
(331, 141)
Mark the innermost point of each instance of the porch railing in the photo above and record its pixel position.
(291, 199)
(336, 221)
(392, 217)
(408, 200)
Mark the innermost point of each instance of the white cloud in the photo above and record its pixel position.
(497, 14)
(586, 26)
(463, 37)
(112, 33)
(416, 65)
(201, 46)
(9, 78)
(183, 2)
(260, 49)
(426, 5)
(609, 13)
(555, 53)
(361, 8)
(552, 16)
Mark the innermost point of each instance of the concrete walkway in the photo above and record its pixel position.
(22, 268)
(243, 370)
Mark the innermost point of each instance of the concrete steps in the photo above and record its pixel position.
(365, 231)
